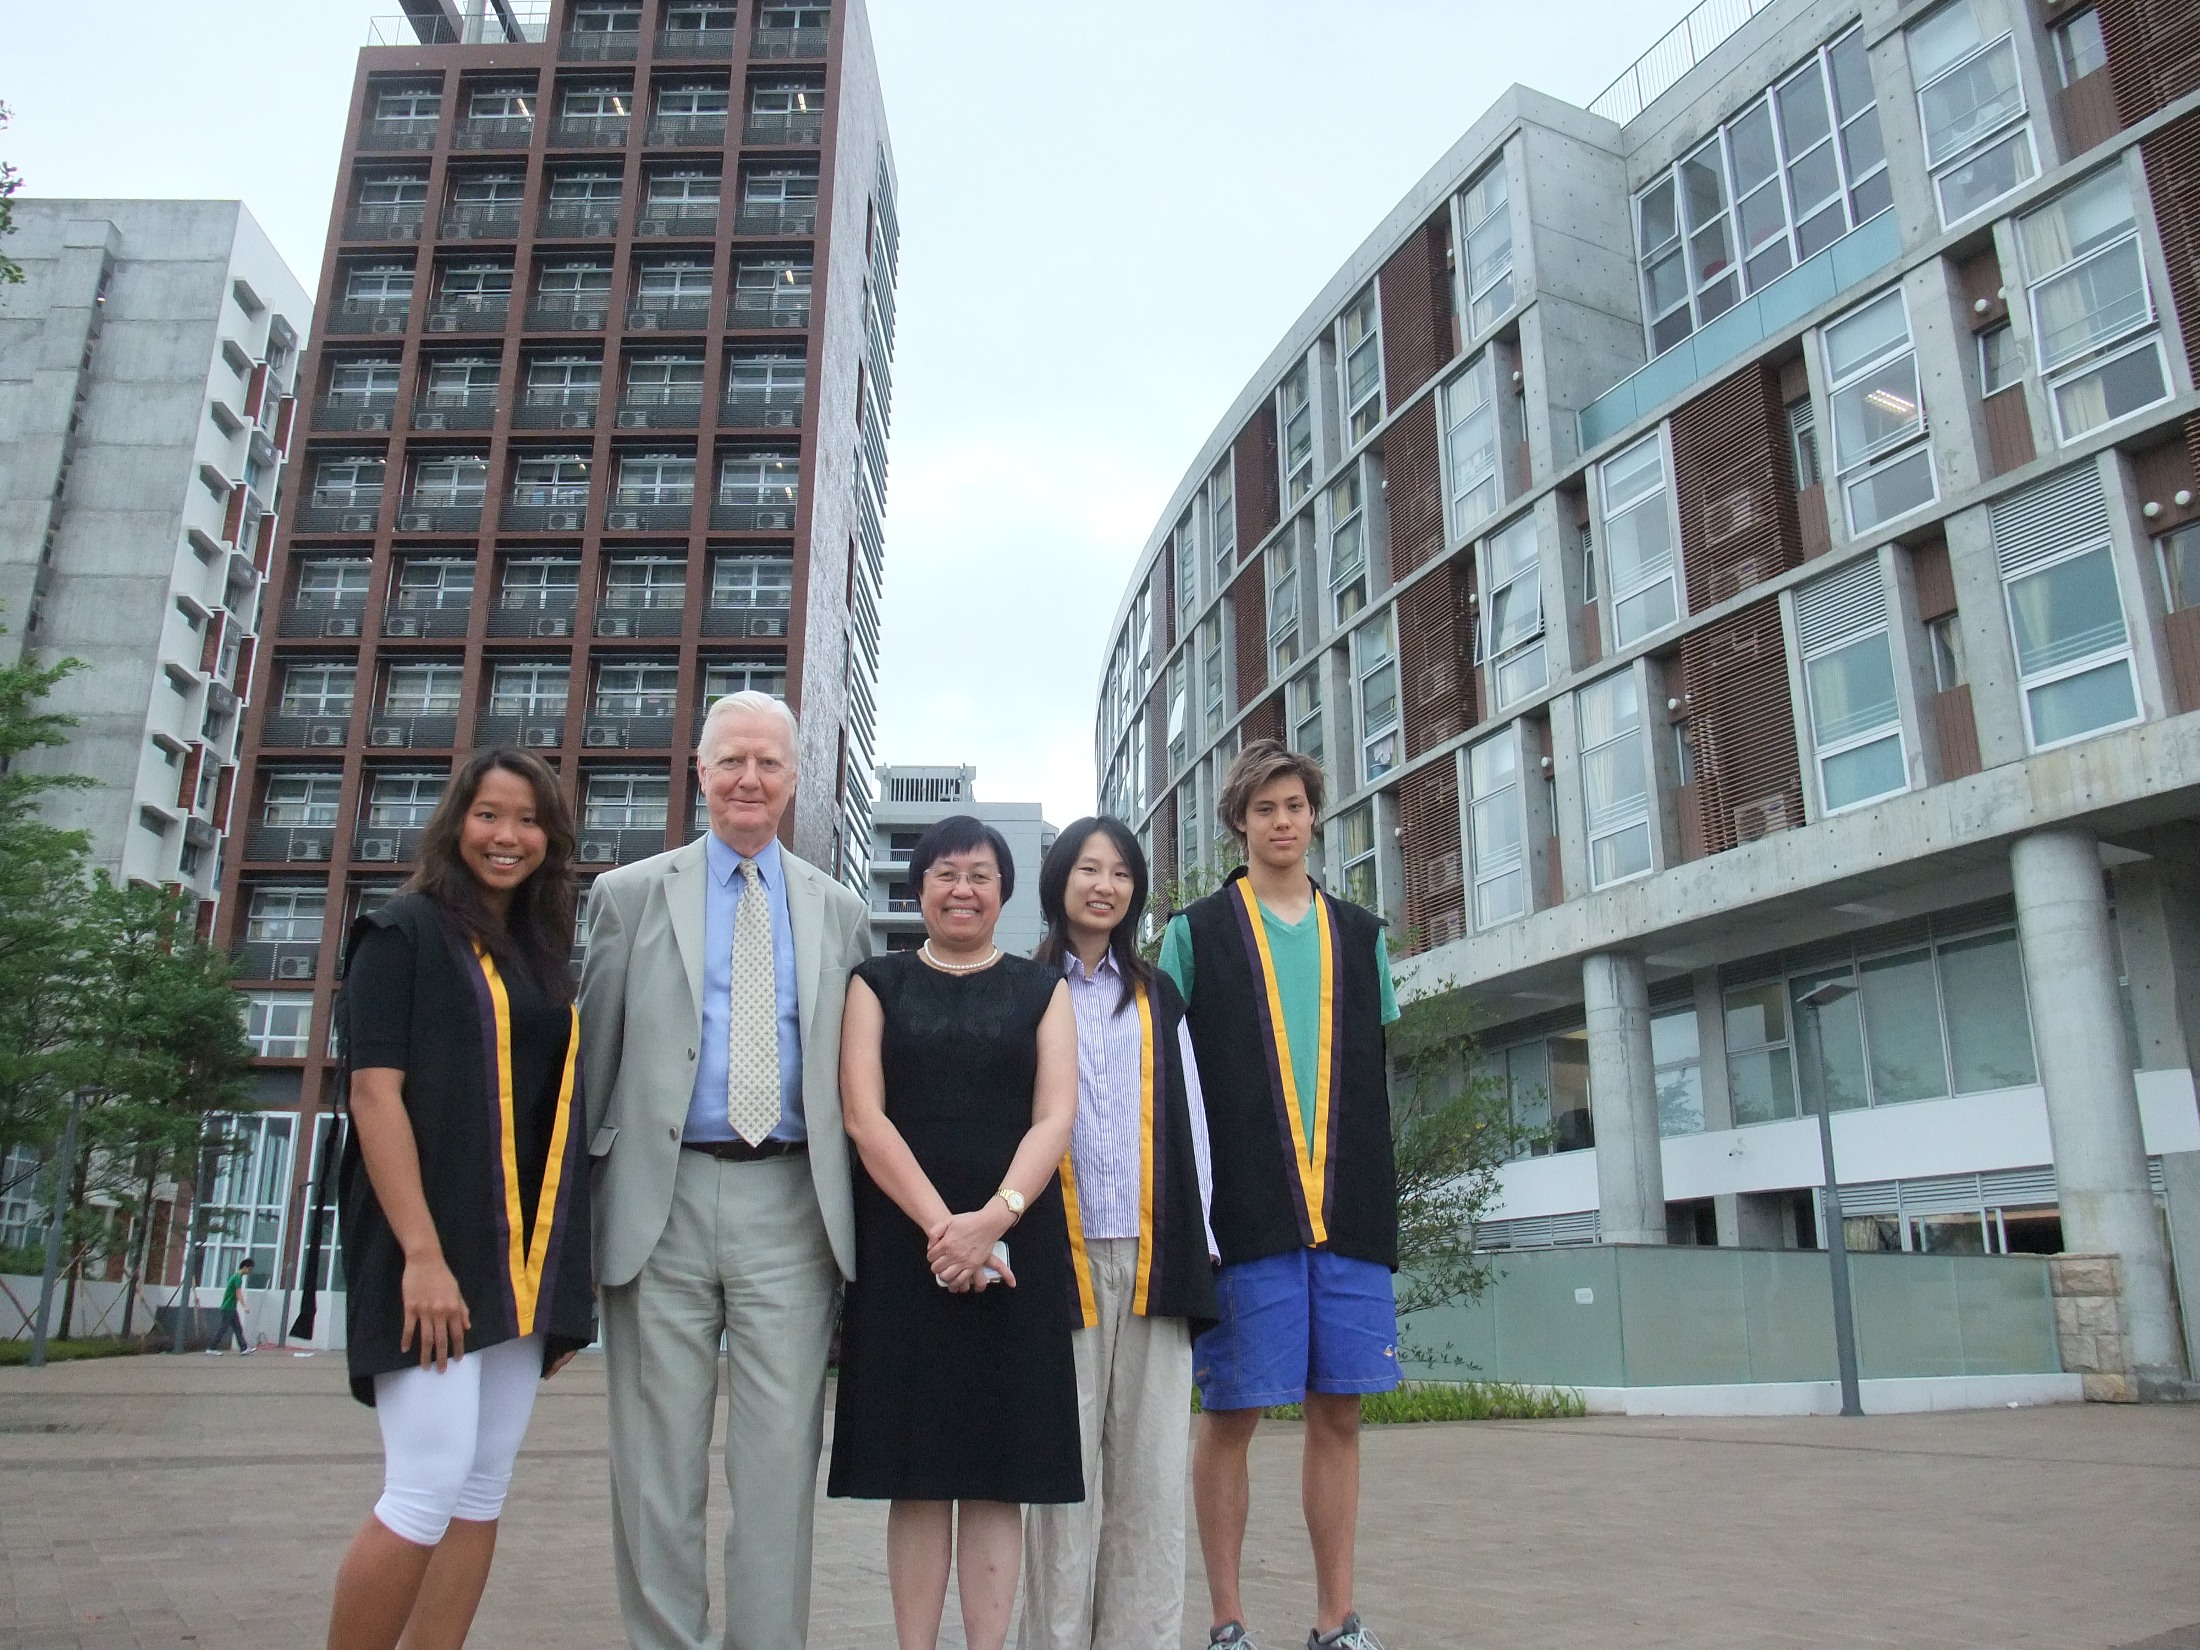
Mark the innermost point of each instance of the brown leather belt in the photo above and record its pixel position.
(740, 1151)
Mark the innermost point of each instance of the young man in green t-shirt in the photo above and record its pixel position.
(1287, 991)
(233, 1312)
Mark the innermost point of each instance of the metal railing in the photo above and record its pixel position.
(804, 130)
(370, 315)
(509, 22)
(398, 134)
(471, 313)
(584, 316)
(585, 218)
(783, 43)
(606, 46)
(480, 221)
(695, 43)
(778, 220)
(384, 223)
(1680, 49)
(495, 132)
(589, 132)
(454, 410)
(678, 129)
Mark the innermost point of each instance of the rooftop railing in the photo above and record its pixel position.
(1680, 49)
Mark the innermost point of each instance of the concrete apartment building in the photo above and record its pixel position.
(594, 433)
(909, 800)
(1736, 539)
(146, 367)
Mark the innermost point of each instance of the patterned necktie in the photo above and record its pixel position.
(752, 1023)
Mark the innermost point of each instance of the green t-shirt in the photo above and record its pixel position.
(229, 1295)
(1297, 949)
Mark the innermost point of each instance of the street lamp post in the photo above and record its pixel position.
(1837, 1248)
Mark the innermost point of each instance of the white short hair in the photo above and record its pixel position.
(748, 702)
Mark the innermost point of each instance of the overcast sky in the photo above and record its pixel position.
(1109, 215)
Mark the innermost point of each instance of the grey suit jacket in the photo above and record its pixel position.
(641, 1006)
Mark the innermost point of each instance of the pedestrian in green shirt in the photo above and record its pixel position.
(233, 1312)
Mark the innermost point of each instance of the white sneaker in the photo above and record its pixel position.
(213, 1352)
(1350, 1635)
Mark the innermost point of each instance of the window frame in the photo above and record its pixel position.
(1362, 413)
(1488, 795)
(1375, 656)
(2124, 653)
(1889, 452)
(1501, 665)
(1636, 814)
(2017, 123)
(1667, 570)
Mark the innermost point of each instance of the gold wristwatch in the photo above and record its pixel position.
(1014, 1199)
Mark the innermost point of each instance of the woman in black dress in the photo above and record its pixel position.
(958, 1077)
(465, 1195)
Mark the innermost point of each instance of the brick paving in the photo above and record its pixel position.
(169, 1501)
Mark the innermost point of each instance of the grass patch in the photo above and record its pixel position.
(15, 1354)
(1453, 1401)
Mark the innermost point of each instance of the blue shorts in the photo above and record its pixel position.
(1302, 1321)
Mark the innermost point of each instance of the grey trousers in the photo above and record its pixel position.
(1107, 1573)
(744, 1252)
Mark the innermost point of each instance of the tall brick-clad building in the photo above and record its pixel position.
(1739, 537)
(596, 433)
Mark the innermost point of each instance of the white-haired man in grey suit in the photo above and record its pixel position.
(710, 1045)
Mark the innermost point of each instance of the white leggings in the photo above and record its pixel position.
(449, 1437)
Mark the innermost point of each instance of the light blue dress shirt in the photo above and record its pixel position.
(706, 1119)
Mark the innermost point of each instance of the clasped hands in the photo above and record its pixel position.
(959, 1249)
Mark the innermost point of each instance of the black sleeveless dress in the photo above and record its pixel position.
(944, 1396)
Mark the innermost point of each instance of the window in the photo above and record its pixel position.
(762, 479)
(1296, 418)
(1214, 689)
(1512, 612)
(685, 189)
(1970, 100)
(279, 1024)
(699, 16)
(1472, 487)
(1676, 1056)
(1283, 599)
(772, 292)
(761, 379)
(598, 103)
(348, 482)
(2066, 614)
(550, 479)
(632, 690)
(2180, 557)
(591, 187)
(573, 285)
(318, 689)
(1375, 673)
(1803, 443)
(331, 582)
(1879, 448)
(422, 690)
(1760, 1068)
(1945, 636)
(626, 802)
(1303, 704)
(780, 189)
(1848, 676)
(1179, 718)
(377, 289)
(794, 17)
(657, 583)
(1360, 354)
(673, 283)
(1494, 832)
(1187, 574)
(403, 801)
(752, 581)
(1348, 580)
(490, 189)
(606, 17)
(1485, 232)
(1615, 779)
(658, 478)
(760, 675)
(393, 194)
(2092, 312)
(692, 98)
(1638, 541)
(1356, 845)
(363, 383)
(450, 481)
(459, 381)
(564, 381)
(785, 97)
(2079, 48)
(425, 582)
(1794, 171)
(549, 583)
(511, 107)
(301, 799)
(286, 916)
(530, 689)
(1191, 835)
(414, 107)
(2000, 359)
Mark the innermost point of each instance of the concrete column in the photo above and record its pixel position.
(2092, 1103)
(1623, 1098)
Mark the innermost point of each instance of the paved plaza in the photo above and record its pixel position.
(167, 1501)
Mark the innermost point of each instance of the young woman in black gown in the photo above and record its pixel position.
(958, 1076)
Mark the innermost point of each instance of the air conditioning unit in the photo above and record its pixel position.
(378, 847)
(789, 318)
(460, 231)
(444, 323)
(389, 323)
(604, 737)
(596, 850)
(340, 625)
(326, 733)
(387, 735)
(401, 624)
(562, 521)
(608, 626)
(576, 420)
(1761, 818)
(554, 625)
(294, 968)
(371, 421)
(643, 320)
(778, 417)
(634, 420)
(774, 518)
(653, 226)
(623, 521)
(308, 847)
(356, 521)
(431, 421)
(768, 624)
(415, 521)
(540, 738)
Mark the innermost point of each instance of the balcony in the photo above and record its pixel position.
(760, 412)
(385, 135)
(494, 132)
(600, 46)
(389, 224)
(411, 733)
(617, 619)
(481, 221)
(660, 410)
(334, 620)
(386, 844)
(354, 412)
(293, 960)
(598, 846)
(289, 844)
(787, 43)
(778, 218)
(708, 131)
(668, 219)
(766, 311)
(543, 510)
(600, 732)
(437, 515)
(761, 623)
(673, 313)
(802, 131)
(405, 619)
(556, 410)
(355, 514)
(382, 316)
(619, 517)
(454, 410)
(754, 518)
(696, 45)
(280, 732)
(546, 620)
(532, 732)
(590, 132)
(586, 313)
(580, 220)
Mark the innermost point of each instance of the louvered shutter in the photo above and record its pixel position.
(1414, 489)
(1739, 524)
(1249, 624)
(1741, 727)
(1841, 608)
(2153, 53)
(2172, 159)
(1429, 848)
(1436, 684)
(1254, 482)
(2049, 520)
(1416, 302)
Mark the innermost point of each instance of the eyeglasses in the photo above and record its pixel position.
(947, 881)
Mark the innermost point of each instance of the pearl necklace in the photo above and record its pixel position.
(932, 957)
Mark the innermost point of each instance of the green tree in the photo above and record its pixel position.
(10, 181)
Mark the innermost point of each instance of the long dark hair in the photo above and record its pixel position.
(537, 931)
(1054, 871)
